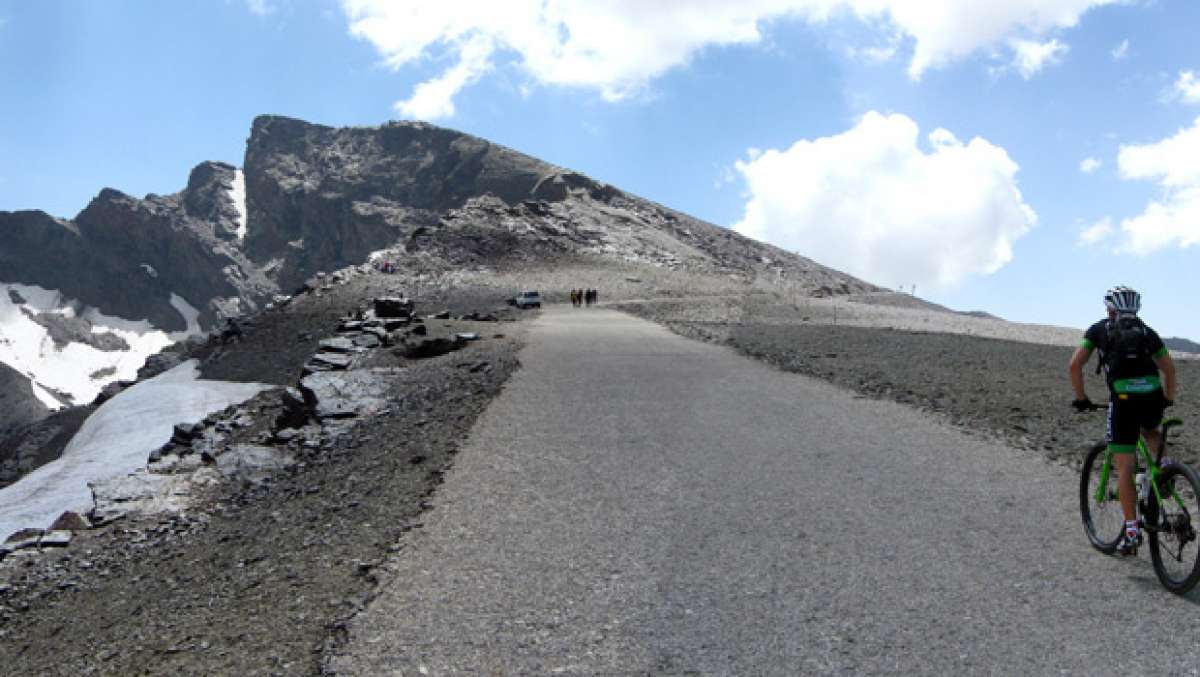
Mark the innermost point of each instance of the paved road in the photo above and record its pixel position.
(637, 503)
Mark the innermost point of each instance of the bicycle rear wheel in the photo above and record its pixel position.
(1174, 547)
(1103, 519)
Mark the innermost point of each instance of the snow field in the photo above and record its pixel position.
(27, 347)
(114, 441)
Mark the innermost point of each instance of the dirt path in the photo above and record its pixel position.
(638, 503)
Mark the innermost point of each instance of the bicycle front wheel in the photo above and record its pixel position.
(1103, 519)
(1174, 548)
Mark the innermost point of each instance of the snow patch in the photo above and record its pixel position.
(27, 347)
(45, 397)
(238, 194)
(114, 441)
(190, 315)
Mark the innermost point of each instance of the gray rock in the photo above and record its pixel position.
(430, 347)
(25, 538)
(295, 411)
(467, 336)
(159, 363)
(70, 521)
(347, 394)
(337, 345)
(367, 341)
(393, 306)
(184, 433)
(333, 360)
(252, 464)
(287, 434)
(140, 493)
(55, 539)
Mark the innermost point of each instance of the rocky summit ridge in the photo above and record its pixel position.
(313, 198)
(321, 198)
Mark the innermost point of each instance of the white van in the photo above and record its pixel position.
(529, 299)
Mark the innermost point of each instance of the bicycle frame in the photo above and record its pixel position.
(1152, 466)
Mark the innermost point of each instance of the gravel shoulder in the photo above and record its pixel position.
(1016, 390)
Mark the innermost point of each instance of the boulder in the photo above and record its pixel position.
(139, 493)
(252, 464)
(295, 411)
(393, 306)
(348, 394)
(367, 341)
(70, 521)
(337, 345)
(184, 433)
(55, 539)
(286, 435)
(430, 348)
(333, 361)
(25, 538)
(158, 363)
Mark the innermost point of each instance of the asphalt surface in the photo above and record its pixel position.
(638, 503)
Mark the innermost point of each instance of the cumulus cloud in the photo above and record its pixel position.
(616, 47)
(1029, 56)
(1089, 165)
(1097, 232)
(434, 99)
(1121, 51)
(1174, 217)
(871, 201)
(1188, 87)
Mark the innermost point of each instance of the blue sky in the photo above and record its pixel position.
(807, 123)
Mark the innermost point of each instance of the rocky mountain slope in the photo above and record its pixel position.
(18, 401)
(312, 198)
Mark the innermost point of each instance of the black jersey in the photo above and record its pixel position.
(1128, 377)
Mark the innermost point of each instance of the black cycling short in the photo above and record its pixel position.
(1128, 417)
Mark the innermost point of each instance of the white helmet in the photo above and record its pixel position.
(1123, 300)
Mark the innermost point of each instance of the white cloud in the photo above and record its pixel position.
(434, 99)
(872, 202)
(1188, 87)
(1097, 232)
(260, 7)
(1089, 165)
(616, 47)
(1173, 218)
(1029, 56)
(1121, 51)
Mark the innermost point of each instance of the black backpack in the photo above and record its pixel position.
(1127, 344)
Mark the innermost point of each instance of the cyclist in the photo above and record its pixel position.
(1132, 355)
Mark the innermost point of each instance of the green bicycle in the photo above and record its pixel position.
(1168, 497)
